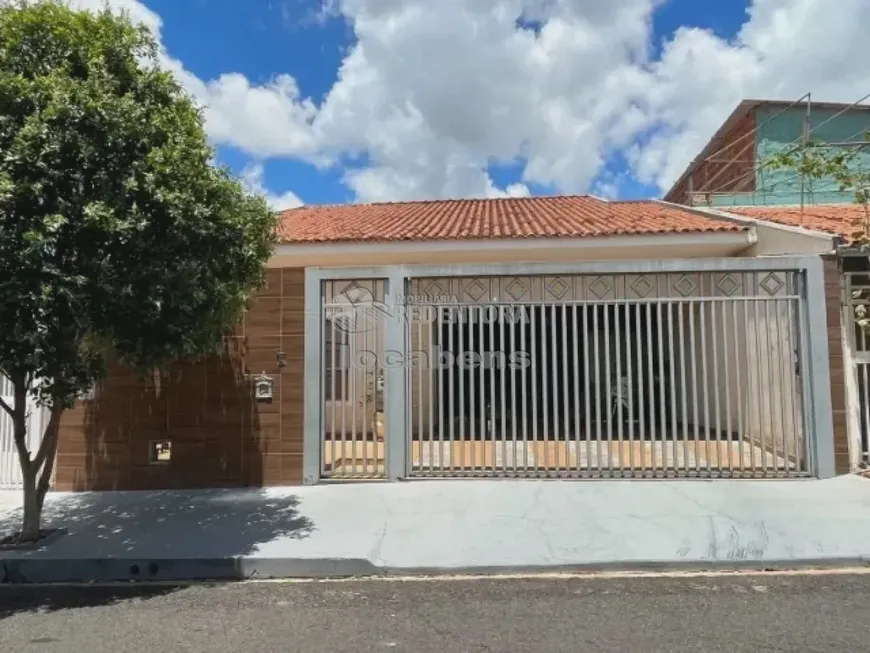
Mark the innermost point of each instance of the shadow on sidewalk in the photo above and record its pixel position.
(166, 523)
(167, 536)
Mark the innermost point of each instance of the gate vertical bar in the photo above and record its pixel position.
(760, 386)
(675, 435)
(781, 351)
(439, 328)
(642, 432)
(771, 385)
(433, 371)
(728, 431)
(608, 397)
(525, 388)
(566, 401)
(597, 362)
(620, 399)
(473, 430)
(630, 391)
(451, 384)
(576, 370)
(493, 425)
(503, 354)
(684, 398)
(458, 359)
(513, 385)
(717, 405)
(738, 375)
(481, 390)
(660, 388)
(546, 397)
(704, 381)
(586, 387)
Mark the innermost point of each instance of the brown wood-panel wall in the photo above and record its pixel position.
(728, 171)
(834, 312)
(220, 436)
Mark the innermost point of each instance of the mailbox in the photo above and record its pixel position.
(263, 387)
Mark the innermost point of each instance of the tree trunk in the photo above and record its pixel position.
(32, 509)
(36, 472)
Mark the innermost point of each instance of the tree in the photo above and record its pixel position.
(817, 161)
(118, 237)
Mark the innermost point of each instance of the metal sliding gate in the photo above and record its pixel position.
(631, 374)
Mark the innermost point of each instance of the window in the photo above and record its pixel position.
(335, 352)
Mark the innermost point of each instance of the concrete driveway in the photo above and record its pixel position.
(449, 527)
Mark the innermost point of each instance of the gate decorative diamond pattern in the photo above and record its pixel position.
(557, 288)
(685, 286)
(601, 287)
(515, 289)
(476, 290)
(727, 285)
(641, 286)
(434, 289)
(772, 284)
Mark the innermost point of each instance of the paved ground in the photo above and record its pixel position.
(448, 526)
(826, 613)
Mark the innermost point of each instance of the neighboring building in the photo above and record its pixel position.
(564, 337)
(731, 170)
(730, 175)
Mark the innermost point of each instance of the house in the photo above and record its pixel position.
(557, 337)
(732, 173)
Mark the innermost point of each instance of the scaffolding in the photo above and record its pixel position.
(751, 183)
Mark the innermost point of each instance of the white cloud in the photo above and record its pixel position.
(786, 49)
(270, 119)
(433, 92)
(252, 177)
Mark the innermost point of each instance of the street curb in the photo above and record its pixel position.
(107, 570)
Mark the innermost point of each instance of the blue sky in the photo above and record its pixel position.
(262, 39)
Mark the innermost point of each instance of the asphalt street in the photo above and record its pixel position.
(820, 612)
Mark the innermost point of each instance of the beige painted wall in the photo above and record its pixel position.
(517, 251)
(778, 241)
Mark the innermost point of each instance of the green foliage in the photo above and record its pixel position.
(818, 161)
(118, 237)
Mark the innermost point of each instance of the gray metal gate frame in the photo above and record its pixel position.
(818, 421)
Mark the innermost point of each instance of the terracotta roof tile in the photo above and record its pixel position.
(838, 219)
(526, 217)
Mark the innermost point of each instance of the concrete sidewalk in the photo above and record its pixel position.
(447, 527)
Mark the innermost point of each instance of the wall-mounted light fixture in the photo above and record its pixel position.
(281, 359)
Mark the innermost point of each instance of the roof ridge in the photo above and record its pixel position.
(449, 200)
(555, 216)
